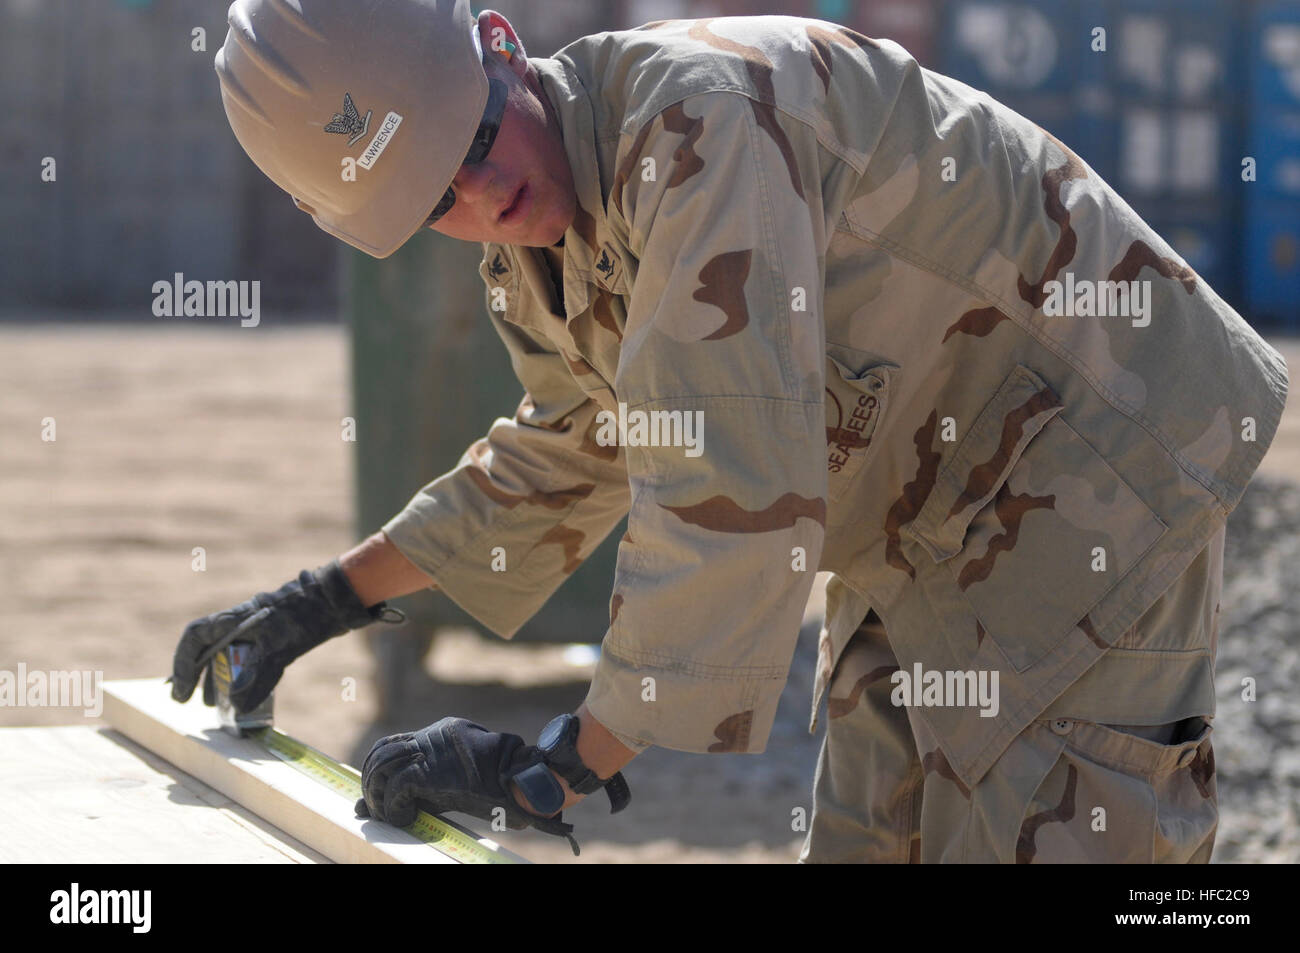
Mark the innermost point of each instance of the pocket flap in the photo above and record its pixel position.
(1022, 406)
(854, 403)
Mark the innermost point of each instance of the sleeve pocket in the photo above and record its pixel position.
(1034, 525)
(1021, 408)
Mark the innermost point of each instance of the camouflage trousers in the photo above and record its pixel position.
(1065, 790)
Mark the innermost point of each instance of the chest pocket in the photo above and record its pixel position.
(1034, 525)
(855, 401)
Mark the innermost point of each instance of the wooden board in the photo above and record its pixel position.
(79, 794)
(189, 737)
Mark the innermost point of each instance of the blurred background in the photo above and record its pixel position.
(1183, 92)
(197, 461)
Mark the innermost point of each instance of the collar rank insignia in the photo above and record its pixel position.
(609, 270)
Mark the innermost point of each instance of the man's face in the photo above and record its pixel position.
(522, 193)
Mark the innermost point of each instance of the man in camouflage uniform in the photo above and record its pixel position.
(852, 268)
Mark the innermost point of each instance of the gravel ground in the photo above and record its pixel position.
(1257, 746)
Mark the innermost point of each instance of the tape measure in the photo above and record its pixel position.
(443, 836)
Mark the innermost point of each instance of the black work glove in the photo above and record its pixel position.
(281, 626)
(452, 765)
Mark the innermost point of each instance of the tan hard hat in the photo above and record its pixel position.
(397, 85)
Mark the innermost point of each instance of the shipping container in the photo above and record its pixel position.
(1161, 105)
(912, 24)
(1168, 153)
(201, 237)
(1177, 52)
(648, 10)
(1096, 140)
(1275, 147)
(1274, 141)
(113, 257)
(118, 58)
(130, 154)
(1095, 100)
(29, 246)
(192, 83)
(1270, 247)
(1055, 114)
(32, 49)
(1026, 56)
(1275, 55)
(1202, 232)
(1271, 261)
(1012, 50)
(203, 155)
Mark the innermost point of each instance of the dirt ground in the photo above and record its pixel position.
(172, 438)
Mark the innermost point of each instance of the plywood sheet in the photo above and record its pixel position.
(86, 795)
(189, 737)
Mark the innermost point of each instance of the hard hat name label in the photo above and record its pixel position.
(382, 138)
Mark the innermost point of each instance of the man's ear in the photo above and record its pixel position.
(501, 43)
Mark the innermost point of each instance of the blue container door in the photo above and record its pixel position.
(1271, 261)
(1174, 154)
(1275, 147)
(1275, 55)
(1201, 233)
(1275, 98)
(1172, 52)
(1012, 50)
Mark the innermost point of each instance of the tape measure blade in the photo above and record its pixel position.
(439, 833)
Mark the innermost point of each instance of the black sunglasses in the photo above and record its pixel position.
(482, 144)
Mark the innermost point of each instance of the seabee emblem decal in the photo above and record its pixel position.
(349, 122)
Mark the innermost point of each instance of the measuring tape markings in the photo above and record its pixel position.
(346, 780)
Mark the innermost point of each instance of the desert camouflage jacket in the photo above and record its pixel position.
(870, 285)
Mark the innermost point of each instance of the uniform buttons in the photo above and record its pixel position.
(1062, 726)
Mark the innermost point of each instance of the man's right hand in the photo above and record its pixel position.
(280, 625)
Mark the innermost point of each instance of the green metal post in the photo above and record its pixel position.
(429, 377)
